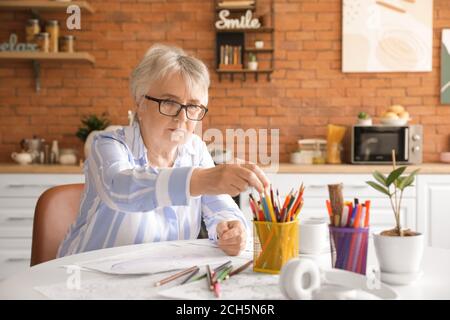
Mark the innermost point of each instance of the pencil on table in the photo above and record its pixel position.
(189, 277)
(222, 266)
(241, 268)
(209, 277)
(217, 289)
(225, 274)
(175, 276)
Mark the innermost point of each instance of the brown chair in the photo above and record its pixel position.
(56, 209)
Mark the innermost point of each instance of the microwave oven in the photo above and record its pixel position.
(374, 144)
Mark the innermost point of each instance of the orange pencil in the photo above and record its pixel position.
(366, 220)
(358, 216)
(330, 212)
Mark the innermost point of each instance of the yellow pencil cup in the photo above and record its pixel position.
(274, 245)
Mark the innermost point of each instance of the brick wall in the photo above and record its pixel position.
(307, 92)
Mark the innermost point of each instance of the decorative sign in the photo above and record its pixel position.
(12, 45)
(244, 22)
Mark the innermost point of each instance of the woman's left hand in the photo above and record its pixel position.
(231, 237)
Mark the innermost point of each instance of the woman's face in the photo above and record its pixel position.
(170, 130)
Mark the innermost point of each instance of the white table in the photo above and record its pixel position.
(435, 284)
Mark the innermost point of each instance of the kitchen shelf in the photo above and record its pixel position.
(235, 45)
(42, 5)
(244, 72)
(43, 56)
(261, 30)
(243, 8)
(36, 57)
(253, 49)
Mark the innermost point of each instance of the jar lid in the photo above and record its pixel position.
(68, 37)
(42, 34)
(32, 21)
(52, 22)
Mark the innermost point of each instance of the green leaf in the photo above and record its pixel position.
(394, 175)
(380, 177)
(378, 187)
(408, 181)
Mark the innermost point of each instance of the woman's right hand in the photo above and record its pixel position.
(229, 179)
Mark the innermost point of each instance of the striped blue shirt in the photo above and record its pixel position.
(126, 201)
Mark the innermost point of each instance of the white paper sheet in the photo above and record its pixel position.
(248, 285)
(162, 258)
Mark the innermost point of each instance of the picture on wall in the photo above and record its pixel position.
(387, 35)
(445, 67)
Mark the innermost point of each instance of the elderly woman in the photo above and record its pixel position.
(155, 180)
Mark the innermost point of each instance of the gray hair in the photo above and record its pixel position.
(161, 61)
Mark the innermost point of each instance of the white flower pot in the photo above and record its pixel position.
(259, 44)
(253, 65)
(399, 255)
(364, 122)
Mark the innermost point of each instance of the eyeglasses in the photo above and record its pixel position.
(172, 108)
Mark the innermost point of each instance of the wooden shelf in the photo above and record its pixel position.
(253, 49)
(37, 57)
(262, 29)
(43, 56)
(245, 71)
(43, 5)
(235, 9)
(227, 40)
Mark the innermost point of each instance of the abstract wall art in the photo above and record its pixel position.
(387, 35)
(445, 67)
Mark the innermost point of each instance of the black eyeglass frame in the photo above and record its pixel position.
(182, 106)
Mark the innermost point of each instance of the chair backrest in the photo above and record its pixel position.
(56, 209)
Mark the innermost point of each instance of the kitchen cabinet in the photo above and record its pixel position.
(433, 207)
(18, 196)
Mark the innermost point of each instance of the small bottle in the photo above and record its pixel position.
(55, 151)
(52, 28)
(42, 41)
(47, 154)
(66, 43)
(32, 29)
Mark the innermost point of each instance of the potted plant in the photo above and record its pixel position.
(91, 125)
(364, 119)
(252, 63)
(399, 251)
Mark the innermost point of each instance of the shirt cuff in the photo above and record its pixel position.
(173, 187)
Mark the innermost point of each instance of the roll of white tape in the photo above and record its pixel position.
(299, 278)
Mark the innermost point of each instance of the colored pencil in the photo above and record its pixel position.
(222, 266)
(191, 276)
(217, 289)
(209, 277)
(241, 268)
(175, 276)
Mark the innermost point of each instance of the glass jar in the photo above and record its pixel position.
(32, 29)
(334, 151)
(66, 43)
(52, 28)
(42, 40)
